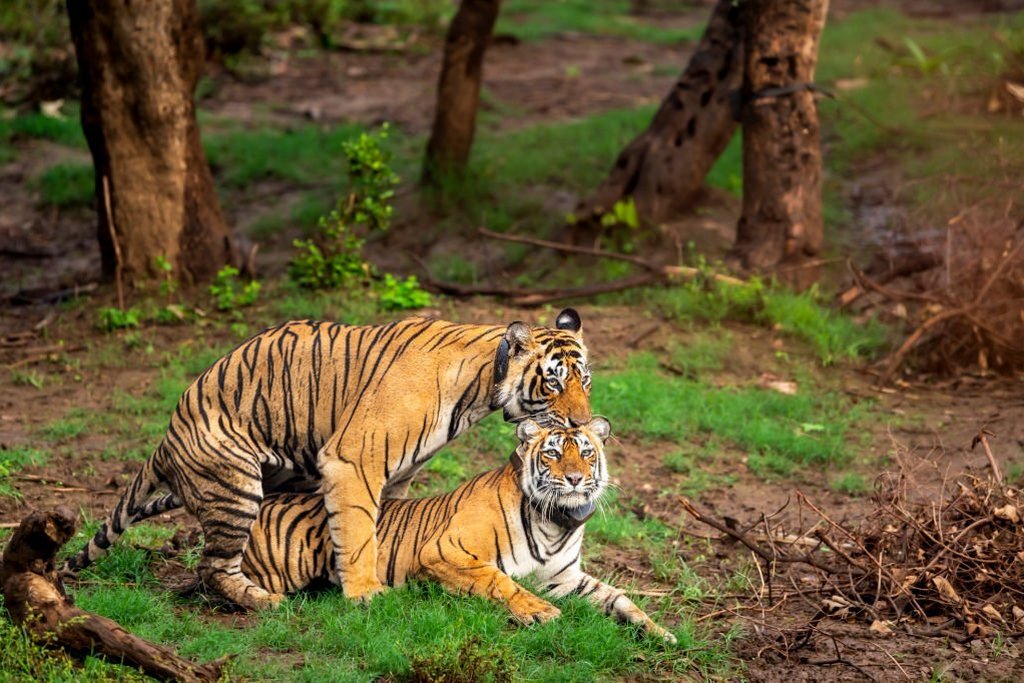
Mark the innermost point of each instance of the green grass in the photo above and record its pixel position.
(66, 428)
(779, 432)
(534, 20)
(67, 185)
(702, 352)
(12, 461)
(321, 637)
(851, 483)
(693, 464)
(832, 335)
(66, 131)
(304, 155)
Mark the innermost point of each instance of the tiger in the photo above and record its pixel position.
(351, 411)
(524, 517)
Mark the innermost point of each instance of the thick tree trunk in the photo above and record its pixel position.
(34, 597)
(664, 167)
(458, 90)
(138, 64)
(782, 220)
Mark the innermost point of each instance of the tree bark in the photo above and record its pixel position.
(458, 89)
(664, 167)
(138, 64)
(34, 597)
(782, 215)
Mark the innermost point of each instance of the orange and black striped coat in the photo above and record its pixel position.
(356, 410)
(524, 518)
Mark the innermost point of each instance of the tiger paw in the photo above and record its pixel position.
(258, 599)
(361, 591)
(662, 633)
(529, 609)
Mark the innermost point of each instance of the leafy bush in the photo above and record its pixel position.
(229, 293)
(112, 318)
(333, 258)
(398, 295)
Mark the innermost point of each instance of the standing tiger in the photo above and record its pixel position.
(526, 517)
(359, 409)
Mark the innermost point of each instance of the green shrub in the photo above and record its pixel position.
(333, 257)
(111, 318)
(229, 292)
(398, 295)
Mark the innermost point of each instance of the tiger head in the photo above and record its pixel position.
(562, 469)
(543, 371)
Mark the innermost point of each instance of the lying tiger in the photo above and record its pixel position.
(525, 517)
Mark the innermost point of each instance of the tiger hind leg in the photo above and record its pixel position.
(227, 524)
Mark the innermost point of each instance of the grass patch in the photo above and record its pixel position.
(616, 524)
(833, 336)
(66, 130)
(67, 185)
(780, 432)
(693, 465)
(851, 483)
(534, 20)
(65, 428)
(703, 352)
(415, 628)
(303, 155)
(12, 461)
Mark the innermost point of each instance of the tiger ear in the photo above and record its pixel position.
(601, 428)
(569, 319)
(516, 340)
(527, 430)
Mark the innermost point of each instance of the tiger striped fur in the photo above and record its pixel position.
(355, 409)
(526, 517)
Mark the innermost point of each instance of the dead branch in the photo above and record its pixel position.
(35, 598)
(655, 274)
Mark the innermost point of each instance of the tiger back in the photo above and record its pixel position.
(524, 518)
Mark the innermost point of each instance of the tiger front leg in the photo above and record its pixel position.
(352, 498)
(467, 575)
(608, 598)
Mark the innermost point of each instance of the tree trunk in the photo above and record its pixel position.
(664, 167)
(34, 597)
(781, 220)
(458, 90)
(138, 63)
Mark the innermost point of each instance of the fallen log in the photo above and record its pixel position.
(35, 598)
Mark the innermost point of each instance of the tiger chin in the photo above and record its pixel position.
(524, 518)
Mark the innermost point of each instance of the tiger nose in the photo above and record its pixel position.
(574, 478)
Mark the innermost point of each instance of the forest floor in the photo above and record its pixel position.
(735, 413)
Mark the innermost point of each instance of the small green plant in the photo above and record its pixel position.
(112, 318)
(850, 483)
(11, 462)
(333, 257)
(168, 285)
(623, 213)
(229, 292)
(29, 378)
(399, 295)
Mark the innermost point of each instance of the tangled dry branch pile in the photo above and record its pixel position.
(952, 567)
(966, 307)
